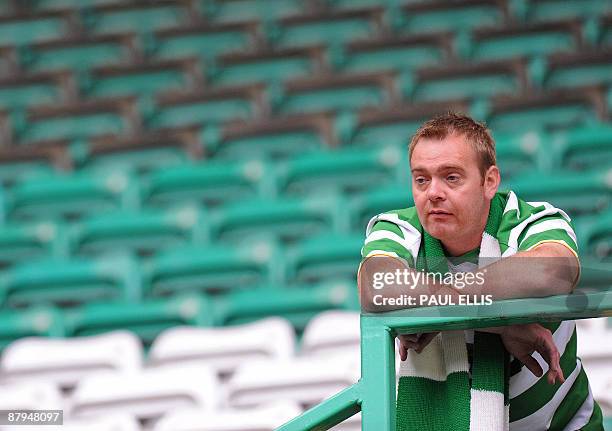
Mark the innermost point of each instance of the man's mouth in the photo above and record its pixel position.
(439, 212)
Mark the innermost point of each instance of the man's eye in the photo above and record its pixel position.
(452, 178)
(419, 180)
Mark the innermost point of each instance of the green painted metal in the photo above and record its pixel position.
(374, 394)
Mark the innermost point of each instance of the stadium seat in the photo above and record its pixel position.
(266, 66)
(20, 28)
(576, 193)
(421, 17)
(348, 170)
(146, 319)
(544, 10)
(287, 219)
(344, 339)
(596, 234)
(215, 268)
(72, 196)
(379, 200)
(317, 28)
(203, 40)
(31, 322)
(297, 304)
(306, 381)
(78, 120)
(247, 10)
(336, 93)
(520, 153)
(606, 29)
(115, 422)
(13, 170)
(71, 282)
(584, 148)
(594, 274)
(143, 232)
(394, 53)
(141, 79)
(324, 257)
(36, 89)
(267, 417)
(273, 139)
(64, 362)
(138, 17)
(210, 182)
(521, 40)
(147, 394)
(81, 53)
(468, 80)
(31, 396)
(211, 105)
(143, 153)
(584, 68)
(22, 242)
(224, 349)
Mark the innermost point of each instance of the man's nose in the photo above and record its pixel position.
(435, 191)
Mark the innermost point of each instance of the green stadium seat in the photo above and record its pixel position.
(606, 30)
(544, 10)
(15, 169)
(596, 235)
(333, 93)
(585, 68)
(214, 269)
(143, 153)
(70, 4)
(339, 27)
(139, 80)
(72, 196)
(211, 183)
(577, 193)
(246, 10)
(286, 219)
(146, 319)
(424, 17)
(80, 54)
(23, 242)
(79, 120)
(584, 148)
(554, 110)
(71, 282)
(267, 66)
(137, 17)
(350, 171)
(594, 274)
(379, 200)
(468, 80)
(143, 232)
(37, 89)
(273, 139)
(519, 153)
(211, 105)
(296, 304)
(397, 53)
(32, 322)
(204, 41)
(519, 41)
(325, 257)
(22, 29)
(392, 126)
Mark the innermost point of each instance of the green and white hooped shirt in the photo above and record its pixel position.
(534, 404)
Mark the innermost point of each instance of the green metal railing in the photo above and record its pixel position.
(374, 393)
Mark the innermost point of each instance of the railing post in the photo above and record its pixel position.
(377, 375)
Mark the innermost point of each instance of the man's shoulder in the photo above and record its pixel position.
(406, 217)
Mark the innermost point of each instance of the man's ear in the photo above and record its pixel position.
(492, 179)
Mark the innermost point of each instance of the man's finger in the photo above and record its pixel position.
(532, 365)
(425, 340)
(550, 353)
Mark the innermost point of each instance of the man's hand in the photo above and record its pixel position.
(522, 340)
(414, 341)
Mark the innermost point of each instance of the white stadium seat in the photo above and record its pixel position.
(30, 395)
(108, 423)
(305, 380)
(147, 394)
(332, 332)
(224, 349)
(263, 418)
(65, 361)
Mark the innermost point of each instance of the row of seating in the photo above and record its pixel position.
(149, 317)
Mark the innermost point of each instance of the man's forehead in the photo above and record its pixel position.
(452, 151)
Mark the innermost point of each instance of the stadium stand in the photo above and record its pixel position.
(185, 185)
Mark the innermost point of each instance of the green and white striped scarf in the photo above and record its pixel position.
(434, 389)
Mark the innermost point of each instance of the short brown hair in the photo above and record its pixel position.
(475, 133)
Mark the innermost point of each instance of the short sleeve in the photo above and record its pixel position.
(552, 228)
(386, 238)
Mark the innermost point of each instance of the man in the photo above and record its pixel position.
(455, 184)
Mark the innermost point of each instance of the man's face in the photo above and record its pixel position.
(451, 200)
